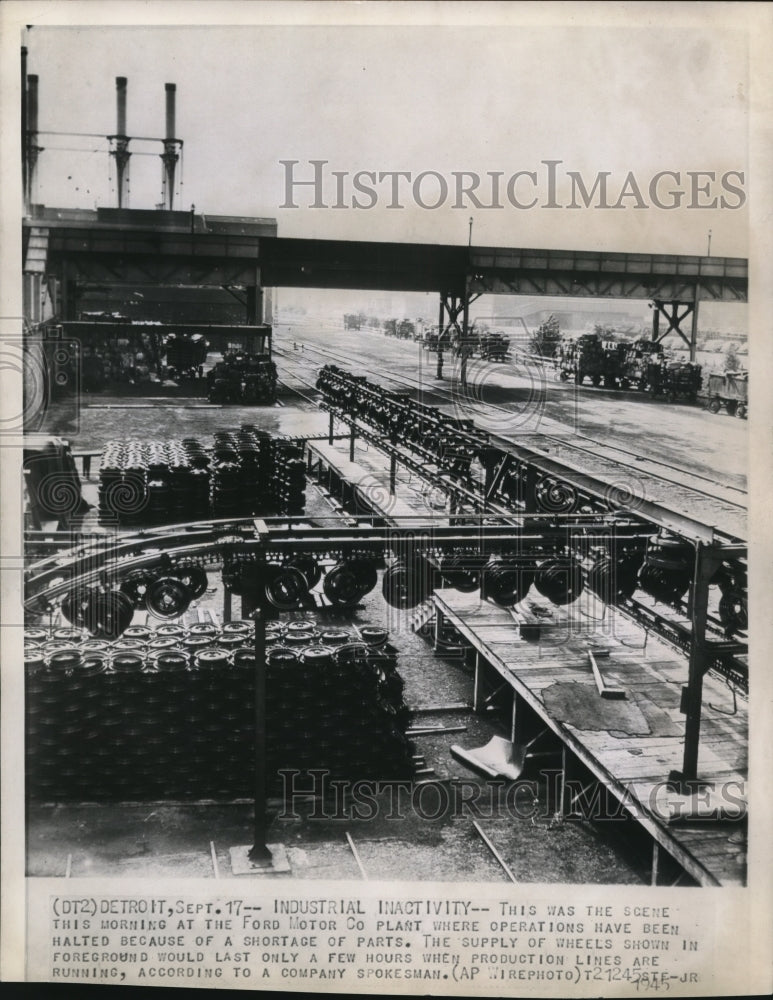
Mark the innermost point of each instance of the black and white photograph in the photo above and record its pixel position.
(386, 448)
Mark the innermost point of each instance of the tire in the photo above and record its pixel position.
(731, 407)
(741, 411)
(714, 405)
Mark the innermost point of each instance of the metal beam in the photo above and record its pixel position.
(226, 253)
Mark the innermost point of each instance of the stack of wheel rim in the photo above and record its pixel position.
(210, 764)
(40, 767)
(169, 712)
(226, 474)
(132, 766)
(200, 482)
(171, 676)
(289, 478)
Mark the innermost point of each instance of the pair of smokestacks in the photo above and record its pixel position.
(121, 153)
(120, 94)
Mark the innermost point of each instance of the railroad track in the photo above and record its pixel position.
(635, 477)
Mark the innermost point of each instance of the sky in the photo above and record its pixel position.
(635, 99)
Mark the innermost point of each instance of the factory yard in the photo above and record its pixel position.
(678, 443)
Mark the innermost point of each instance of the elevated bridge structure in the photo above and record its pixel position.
(71, 249)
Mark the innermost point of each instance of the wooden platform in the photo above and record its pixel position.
(361, 487)
(629, 746)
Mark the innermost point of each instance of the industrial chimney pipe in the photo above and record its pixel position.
(120, 96)
(121, 152)
(24, 139)
(170, 155)
(32, 135)
(32, 104)
(171, 89)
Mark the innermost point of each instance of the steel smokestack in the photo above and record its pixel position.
(121, 152)
(120, 98)
(170, 101)
(32, 136)
(24, 139)
(32, 103)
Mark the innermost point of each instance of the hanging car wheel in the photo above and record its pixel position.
(669, 552)
(343, 586)
(457, 574)
(559, 580)
(135, 588)
(733, 612)
(664, 585)
(612, 581)
(310, 568)
(505, 583)
(108, 614)
(167, 598)
(401, 586)
(74, 608)
(286, 588)
(195, 581)
(366, 572)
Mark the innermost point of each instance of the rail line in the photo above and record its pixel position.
(684, 492)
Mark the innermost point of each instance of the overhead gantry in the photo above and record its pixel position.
(674, 283)
(122, 247)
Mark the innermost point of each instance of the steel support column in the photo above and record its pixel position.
(67, 307)
(694, 325)
(675, 317)
(254, 311)
(259, 854)
(440, 328)
(707, 560)
(466, 348)
(454, 307)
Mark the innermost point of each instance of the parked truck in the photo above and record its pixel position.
(730, 390)
(584, 357)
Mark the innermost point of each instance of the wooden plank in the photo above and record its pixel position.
(656, 676)
(605, 688)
